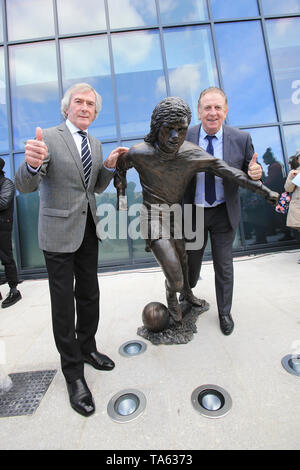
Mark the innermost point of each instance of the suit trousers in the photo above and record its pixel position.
(6, 255)
(216, 223)
(73, 282)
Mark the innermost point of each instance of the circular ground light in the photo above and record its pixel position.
(132, 348)
(126, 405)
(211, 401)
(291, 363)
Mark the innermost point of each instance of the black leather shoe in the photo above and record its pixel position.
(98, 361)
(81, 398)
(226, 324)
(13, 297)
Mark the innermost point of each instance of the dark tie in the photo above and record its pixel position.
(210, 184)
(86, 157)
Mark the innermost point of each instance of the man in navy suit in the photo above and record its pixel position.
(220, 198)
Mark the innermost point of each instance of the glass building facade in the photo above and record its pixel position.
(134, 53)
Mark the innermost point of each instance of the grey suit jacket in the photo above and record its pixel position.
(237, 152)
(64, 199)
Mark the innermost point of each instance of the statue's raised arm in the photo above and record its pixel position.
(203, 161)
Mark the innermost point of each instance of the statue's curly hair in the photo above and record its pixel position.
(171, 110)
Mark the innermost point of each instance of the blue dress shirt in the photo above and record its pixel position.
(200, 187)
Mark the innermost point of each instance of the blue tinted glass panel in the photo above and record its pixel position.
(1, 23)
(263, 139)
(28, 214)
(191, 63)
(292, 139)
(261, 223)
(139, 79)
(134, 196)
(93, 68)
(132, 174)
(76, 16)
(114, 248)
(3, 109)
(131, 13)
(284, 41)
(34, 89)
(182, 12)
(30, 19)
(233, 8)
(106, 149)
(110, 192)
(278, 7)
(18, 159)
(245, 73)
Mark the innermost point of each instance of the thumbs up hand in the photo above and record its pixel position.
(36, 150)
(254, 169)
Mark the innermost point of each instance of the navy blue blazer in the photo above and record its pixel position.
(237, 152)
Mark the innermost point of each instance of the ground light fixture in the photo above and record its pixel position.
(132, 348)
(211, 401)
(291, 363)
(126, 405)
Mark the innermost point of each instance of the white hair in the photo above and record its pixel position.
(65, 102)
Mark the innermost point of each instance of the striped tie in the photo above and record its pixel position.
(86, 157)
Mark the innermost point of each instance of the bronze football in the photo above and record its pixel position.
(155, 316)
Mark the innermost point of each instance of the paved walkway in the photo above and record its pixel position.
(265, 411)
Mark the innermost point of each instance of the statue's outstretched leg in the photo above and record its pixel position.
(173, 305)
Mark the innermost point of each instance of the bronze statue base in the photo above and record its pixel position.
(180, 333)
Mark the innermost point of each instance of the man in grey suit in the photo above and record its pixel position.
(220, 198)
(65, 163)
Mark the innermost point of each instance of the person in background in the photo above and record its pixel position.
(293, 216)
(274, 180)
(7, 193)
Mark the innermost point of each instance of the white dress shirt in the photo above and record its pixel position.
(77, 137)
